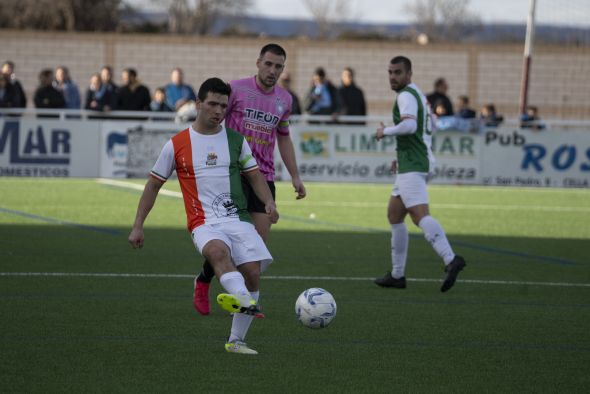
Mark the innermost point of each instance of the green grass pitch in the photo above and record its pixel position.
(82, 312)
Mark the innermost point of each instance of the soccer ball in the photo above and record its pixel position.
(315, 308)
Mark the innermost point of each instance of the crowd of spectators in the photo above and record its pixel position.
(57, 89)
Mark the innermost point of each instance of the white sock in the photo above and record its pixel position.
(241, 322)
(434, 233)
(399, 249)
(233, 282)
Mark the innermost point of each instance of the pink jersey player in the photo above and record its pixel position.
(258, 116)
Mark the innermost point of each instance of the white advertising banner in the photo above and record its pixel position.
(352, 154)
(326, 153)
(521, 157)
(48, 148)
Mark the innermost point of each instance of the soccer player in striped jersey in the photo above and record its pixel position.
(208, 159)
(413, 134)
(259, 110)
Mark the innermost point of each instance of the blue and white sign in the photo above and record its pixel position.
(48, 148)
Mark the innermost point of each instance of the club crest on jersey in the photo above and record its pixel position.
(211, 159)
(224, 206)
(280, 106)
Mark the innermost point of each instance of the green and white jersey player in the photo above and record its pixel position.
(413, 133)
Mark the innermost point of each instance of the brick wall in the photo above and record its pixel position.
(486, 73)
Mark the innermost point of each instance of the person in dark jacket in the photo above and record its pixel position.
(20, 100)
(352, 98)
(98, 96)
(439, 98)
(46, 96)
(133, 96)
(8, 96)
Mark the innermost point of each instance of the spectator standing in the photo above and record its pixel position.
(177, 92)
(439, 97)
(464, 111)
(106, 76)
(322, 98)
(159, 103)
(98, 96)
(132, 96)
(67, 87)
(531, 120)
(352, 98)
(285, 83)
(46, 96)
(8, 97)
(20, 100)
(489, 117)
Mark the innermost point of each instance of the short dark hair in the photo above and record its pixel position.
(46, 73)
(350, 70)
(320, 72)
(131, 71)
(9, 63)
(213, 85)
(439, 81)
(404, 60)
(275, 49)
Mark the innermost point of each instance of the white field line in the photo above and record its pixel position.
(135, 186)
(357, 204)
(274, 277)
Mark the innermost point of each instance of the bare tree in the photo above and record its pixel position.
(443, 19)
(87, 15)
(326, 13)
(200, 16)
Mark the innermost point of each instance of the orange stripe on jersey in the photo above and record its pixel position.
(183, 156)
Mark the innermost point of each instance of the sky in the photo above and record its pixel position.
(566, 12)
(554, 12)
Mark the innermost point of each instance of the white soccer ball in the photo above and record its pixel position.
(315, 308)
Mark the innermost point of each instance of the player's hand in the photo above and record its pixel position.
(136, 238)
(271, 210)
(379, 133)
(299, 188)
(393, 168)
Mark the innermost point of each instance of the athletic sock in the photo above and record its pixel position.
(434, 233)
(241, 322)
(233, 282)
(399, 249)
(207, 273)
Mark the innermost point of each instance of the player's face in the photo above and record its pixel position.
(212, 110)
(399, 77)
(270, 67)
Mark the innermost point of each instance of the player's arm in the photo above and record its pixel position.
(260, 187)
(146, 203)
(288, 156)
(408, 108)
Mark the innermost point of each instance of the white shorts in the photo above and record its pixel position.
(411, 187)
(244, 243)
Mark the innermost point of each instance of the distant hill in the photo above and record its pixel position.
(290, 28)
